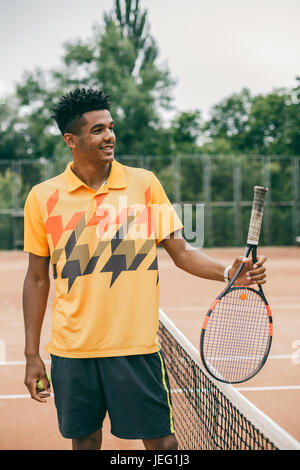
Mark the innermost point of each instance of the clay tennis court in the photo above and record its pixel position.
(26, 424)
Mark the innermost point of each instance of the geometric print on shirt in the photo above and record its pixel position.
(78, 259)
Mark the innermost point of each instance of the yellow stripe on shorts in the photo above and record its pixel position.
(168, 392)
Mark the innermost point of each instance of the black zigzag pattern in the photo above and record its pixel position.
(123, 257)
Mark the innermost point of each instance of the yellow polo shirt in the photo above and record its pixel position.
(102, 246)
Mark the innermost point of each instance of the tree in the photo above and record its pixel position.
(185, 130)
(122, 57)
(292, 122)
(123, 60)
(265, 124)
(13, 139)
(229, 122)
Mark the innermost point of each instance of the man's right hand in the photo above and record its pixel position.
(35, 371)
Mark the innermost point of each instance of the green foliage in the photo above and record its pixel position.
(6, 201)
(262, 124)
(122, 57)
(6, 188)
(229, 120)
(185, 129)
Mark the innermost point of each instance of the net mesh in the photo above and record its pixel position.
(236, 339)
(204, 418)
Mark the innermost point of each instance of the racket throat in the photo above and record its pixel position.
(240, 268)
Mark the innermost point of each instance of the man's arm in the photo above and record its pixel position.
(197, 263)
(35, 295)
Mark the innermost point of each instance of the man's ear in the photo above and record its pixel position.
(70, 140)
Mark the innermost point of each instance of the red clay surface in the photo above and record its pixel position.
(26, 424)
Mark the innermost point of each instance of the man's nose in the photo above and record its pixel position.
(109, 135)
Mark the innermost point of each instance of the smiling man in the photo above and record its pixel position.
(99, 223)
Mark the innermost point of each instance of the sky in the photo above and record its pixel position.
(213, 48)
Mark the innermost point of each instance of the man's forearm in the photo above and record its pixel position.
(35, 296)
(197, 263)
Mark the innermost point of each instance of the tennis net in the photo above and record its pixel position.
(208, 414)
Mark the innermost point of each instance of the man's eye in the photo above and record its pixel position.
(101, 130)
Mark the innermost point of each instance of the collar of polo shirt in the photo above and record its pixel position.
(116, 179)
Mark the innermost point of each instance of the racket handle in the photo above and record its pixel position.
(260, 194)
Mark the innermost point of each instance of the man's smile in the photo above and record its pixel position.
(106, 148)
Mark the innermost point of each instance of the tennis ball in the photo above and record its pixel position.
(39, 384)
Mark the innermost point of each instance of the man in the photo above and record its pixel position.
(100, 223)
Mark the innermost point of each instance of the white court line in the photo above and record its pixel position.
(204, 309)
(23, 363)
(281, 356)
(238, 358)
(178, 390)
(2, 351)
(7, 397)
(19, 363)
(275, 387)
(13, 397)
(240, 389)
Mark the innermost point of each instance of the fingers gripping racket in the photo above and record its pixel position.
(236, 334)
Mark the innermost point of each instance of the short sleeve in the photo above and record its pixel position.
(164, 217)
(35, 237)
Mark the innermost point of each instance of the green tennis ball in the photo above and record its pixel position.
(39, 384)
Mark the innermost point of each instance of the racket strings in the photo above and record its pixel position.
(237, 335)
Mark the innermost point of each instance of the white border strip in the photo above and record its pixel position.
(266, 425)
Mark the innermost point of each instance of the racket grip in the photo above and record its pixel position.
(258, 204)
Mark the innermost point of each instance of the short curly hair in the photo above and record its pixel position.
(68, 113)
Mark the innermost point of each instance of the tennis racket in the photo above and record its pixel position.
(236, 334)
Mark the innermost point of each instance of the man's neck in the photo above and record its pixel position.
(93, 176)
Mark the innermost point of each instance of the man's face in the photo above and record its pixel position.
(96, 140)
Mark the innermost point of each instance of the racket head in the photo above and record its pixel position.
(236, 335)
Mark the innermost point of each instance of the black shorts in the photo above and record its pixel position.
(134, 390)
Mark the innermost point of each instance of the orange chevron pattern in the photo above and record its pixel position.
(74, 220)
(52, 201)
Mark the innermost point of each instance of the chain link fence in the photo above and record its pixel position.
(223, 184)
